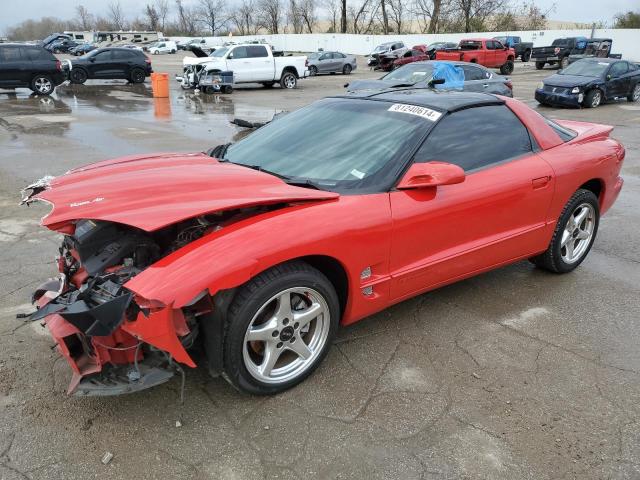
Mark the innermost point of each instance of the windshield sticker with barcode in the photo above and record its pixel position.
(423, 112)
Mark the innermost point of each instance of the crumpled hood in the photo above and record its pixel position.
(568, 80)
(151, 192)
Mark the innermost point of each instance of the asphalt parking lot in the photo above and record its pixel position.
(514, 374)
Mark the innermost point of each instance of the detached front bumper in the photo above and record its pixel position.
(560, 99)
(113, 345)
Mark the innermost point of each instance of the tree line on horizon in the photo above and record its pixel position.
(251, 17)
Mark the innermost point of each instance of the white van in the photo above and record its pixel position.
(164, 46)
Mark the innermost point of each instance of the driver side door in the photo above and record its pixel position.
(497, 215)
(101, 65)
(618, 84)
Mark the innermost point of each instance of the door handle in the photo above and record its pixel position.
(540, 182)
(485, 85)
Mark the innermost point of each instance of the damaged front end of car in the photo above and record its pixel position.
(114, 340)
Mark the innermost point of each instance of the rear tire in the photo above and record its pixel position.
(635, 93)
(78, 76)
(288, 80)
(313, 71)
(564, 62)
(42, 85)
(540, 65)
(137, 76)
(507, 68)
(258, 304)
(346, 70)
(572, 231)
(526, 56)
(593, 98)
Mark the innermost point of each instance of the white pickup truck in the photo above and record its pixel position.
(255, 63)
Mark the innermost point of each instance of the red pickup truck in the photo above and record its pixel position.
(487, 52)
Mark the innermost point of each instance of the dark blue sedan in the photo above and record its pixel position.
(590, 82)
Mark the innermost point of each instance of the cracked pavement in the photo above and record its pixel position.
(514, 374)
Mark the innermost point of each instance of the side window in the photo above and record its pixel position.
(472, 73)
(515, 40)
(325, 56)
(497, 45)
(34, 54)
(257, 51)
(103, 56)
(632, 67)
(339, 55)
(618, 69)
(10, 54)
(476, 137)
(239, 52)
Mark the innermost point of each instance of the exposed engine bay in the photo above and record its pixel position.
(115, 341)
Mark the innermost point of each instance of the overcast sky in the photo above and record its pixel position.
(12, 11)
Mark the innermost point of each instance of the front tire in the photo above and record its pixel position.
(635, 93)
(540, 65)
(288, 80)
(593, 98)
(280, 327)
(564, 62)
(574, 234)
(526, 56)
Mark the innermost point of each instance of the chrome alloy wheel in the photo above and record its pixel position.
(290, 81)
(286, 335)
(577, 233)
(43, 85)
(597, 98)
(636, 93)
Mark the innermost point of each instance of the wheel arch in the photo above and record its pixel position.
(595, 186)
(291, 69)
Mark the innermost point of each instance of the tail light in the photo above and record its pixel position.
(58, 65)
(147, 60)
(306, 62)
(556, 50)
(509, 84)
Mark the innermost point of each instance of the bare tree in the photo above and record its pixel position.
(332, 7)
(343, 17)
(429, 14)
(153, 17)
(476, 12)
(385, 18)
(85, 19)
(212, 13)
(162, 7)
(116, 15)
(534, 18)
(243, 18)
(362, 17)
(187, 19)
(397, 13)
(270, 15)
(307, 10)
(293, 17)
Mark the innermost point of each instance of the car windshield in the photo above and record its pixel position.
(411, 73)
(501, 39)
(586, 68)
(382, 48)
(221, 52)
(336, 144)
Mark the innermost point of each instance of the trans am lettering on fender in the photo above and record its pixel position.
(260, 250)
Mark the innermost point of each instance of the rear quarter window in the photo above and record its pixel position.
(33, 54)
(476, 138)
(564, 133)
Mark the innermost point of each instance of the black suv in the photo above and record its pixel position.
(29, 66)
(124, 63)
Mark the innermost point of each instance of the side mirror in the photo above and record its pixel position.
(608, 77)
(92, 59)
(436, 81)
(431, 174)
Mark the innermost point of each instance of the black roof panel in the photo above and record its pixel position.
(445, 101)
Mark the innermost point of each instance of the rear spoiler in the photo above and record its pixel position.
(586, 131)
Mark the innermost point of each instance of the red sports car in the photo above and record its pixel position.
(318, 219)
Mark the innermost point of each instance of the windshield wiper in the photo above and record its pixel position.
(295, 181)
(302, 182)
